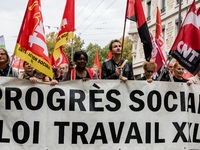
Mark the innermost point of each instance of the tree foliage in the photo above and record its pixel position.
(77, 44)
(127, 49)
(91, 51)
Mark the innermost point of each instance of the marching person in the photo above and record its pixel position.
(63, 69)
(149, 68)
(41, 77)
(117, 67)
(4, 65)
(79, 71)
(28, 71)
(178, 74)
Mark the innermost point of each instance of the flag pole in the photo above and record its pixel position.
(179, 15)
(124, 30)
(10, 66)
(72, 50)
(70, 65)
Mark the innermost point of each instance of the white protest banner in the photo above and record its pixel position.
(101, 114)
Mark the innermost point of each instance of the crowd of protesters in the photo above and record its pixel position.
(116, 67)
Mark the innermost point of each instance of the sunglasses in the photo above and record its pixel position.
(149, 71)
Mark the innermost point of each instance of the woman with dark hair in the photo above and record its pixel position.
(4, 65)
(80, 71)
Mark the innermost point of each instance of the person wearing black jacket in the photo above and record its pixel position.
(117, 67)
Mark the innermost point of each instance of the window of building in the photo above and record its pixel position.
(148, 10)
(163, 6)
(163, 31)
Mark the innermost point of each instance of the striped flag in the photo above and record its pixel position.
(135, 12)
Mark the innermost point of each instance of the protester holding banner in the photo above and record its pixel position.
(166, 73)
(38, 77)
(41, 77)
(5, 68)
(178, 74)
(117, 67)
(28, 71)
(56, 73)
(97, 70)
(80, 71)
(170, 67)
(63, 69)
(149, 68)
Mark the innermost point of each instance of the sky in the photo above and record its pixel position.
(96, 21)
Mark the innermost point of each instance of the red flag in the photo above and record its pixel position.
(187, 74)
(109, 55)
(61, 60)
(97, 62)
(157, 43)
(66, 29)
(186, 47)
(31, 43)
(135, 12)
(159, 35)
(17, 62)
(156, 54)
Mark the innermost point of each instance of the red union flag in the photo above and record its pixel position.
(61, 60)
(17, 62)
(31, 43)
(109, 55)
(159, 35)
(135, 12)
(186, 47)
(97, 62)
(156, 54)
(158, 43)
(66, 28)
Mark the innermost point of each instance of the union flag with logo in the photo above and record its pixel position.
(65, 33)
(186, 47)
(31, 43)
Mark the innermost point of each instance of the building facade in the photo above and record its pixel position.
(170, 15)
